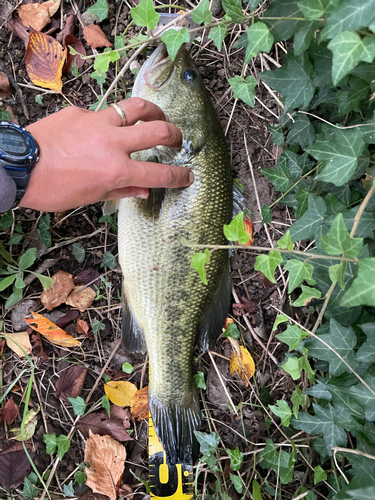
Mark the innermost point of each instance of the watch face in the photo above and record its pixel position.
(13, 142)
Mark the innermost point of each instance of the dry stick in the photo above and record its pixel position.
(57, 460)
(252, 331)
(5, 70)
(72, 240)
(41, 405)
(338, 468)
(222, 383)
(355, 452)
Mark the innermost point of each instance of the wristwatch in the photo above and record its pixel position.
(19, 152)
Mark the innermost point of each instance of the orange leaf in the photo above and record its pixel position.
(51, 331)
(5, 90)
(44, 61)
(248, 225)
(82, 327)
(242, 363)
(58, 293)
(106, 458)
(81, 299)
(9, 412)
(95, 36)
(38, 15)
(120, 392)
(139, 404)
(19, 343)
(227, 321)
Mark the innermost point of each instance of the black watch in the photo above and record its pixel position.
(19, 152)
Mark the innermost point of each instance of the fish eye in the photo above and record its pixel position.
(190, 76)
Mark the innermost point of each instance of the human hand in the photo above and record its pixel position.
(85, 156)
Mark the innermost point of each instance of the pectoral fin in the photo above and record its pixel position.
(110, 206)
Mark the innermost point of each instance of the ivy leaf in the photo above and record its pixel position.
(362, 290)
(307, 295)
(341, 339)
(277, 134)
(285, 242)
(100, 9)
(313, 9)
(103, 60)
(280, 176)
(199, 380)
(337, 273)
(292, 366)
(267, 264)
(50, 441)
(280, 318)
(311, 220)
(174, 39)
(285, 27)
(338, 241)
(299, 271)
(282, 463)
(321, 423)
(319, 474)
(283, 411)
(292, 336)
(198, 262)
(208, 442)
(233, 8)
(259, 40)
(266, 214)
(63, 445)
(236, 459)
(244, 90)
(202, 13)
(120, 43)
(79, 405)
(217, 35)
(292, 81)
(348, 49)
(99, 77)
(29, 490)
(366, 353)
(235, 231)
(231, 331)
(69, 489)
(109, 260)
(237, 483)
(145, 15)
(297, 400)
(301, 132)
(79, 252)
(350, 15)
(364, 396)
(80, 477)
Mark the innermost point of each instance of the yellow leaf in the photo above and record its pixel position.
(19, 342)
(31, 421)
(119, 392)
(82, 299)
(51, 331)
(243, 364)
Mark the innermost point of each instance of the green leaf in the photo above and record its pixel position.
(311, 220)
(281, 318)
(348, 50)
(321, 423)
(46, 281)
(63, 445)
(79, 252)
(29, 491)
(15, 239)
(267, 264)
(231, 331)
(301, 132)
(319, 474)
(44, 223)
(80, 477)
(284, 24)
(45, 237)
(285, 242)
(266, 214)
(127, 367)
(96, 326)
(283, 411)
(174, 39)
(27, 259)
(338, 241)
(13, 299)
(292, 336)
(120, 43)
(7, 219)
(102, 61)
(297, 400)
(307, 295)
(259, 40)
(75, 70)
(279, 176)
(69, 489)
(39, 99)
(5, 115)
(244, 90)
(233, 8)
(277, 134)
(362, 290)
(350, 15)
(237, 483)
(257, 495)
(202, 13)
(50, 441)
(198, 262)
(217, 35)
(98, 75)
(337, 273)
(79, 405)
(313, 9)
(208, 442)
(292, 366)
(282, 463)
(299, 271)
(145, 14)
(4, 283)
(106, 405)
(199, 380)
(293, 81)
(109, 260)
(235, 231)
(100, 9)
(236, 459)
(366, 353)
(19, 284)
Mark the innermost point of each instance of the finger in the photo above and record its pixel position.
(135, 109)
(155, 175)
(150, 134)
(127, 192)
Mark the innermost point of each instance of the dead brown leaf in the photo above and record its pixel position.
(83, 328)
(68, 29)
(70, 383)
(67, 319)
(16, 27)
(14, 464)
(59, 292)
(245, 308)
(36, 343)
(139, 404)
(19, 343)
(88, 276)
(44, 61)
(116, 374)
(82, 299)
(71, 40)
(107, 463)
(95, 36)
(38, 15)
(122, 414)
(9, 412)
(101, 424)
(5, 89)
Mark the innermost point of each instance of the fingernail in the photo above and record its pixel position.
(166, 117)
(191, 177)
(144, 196)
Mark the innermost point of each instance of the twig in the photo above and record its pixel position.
(355, 452)
(72, 240)
(5, 70)
(338, 468)
(324, 306)
(358, 215)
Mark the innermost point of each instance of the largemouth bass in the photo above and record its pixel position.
(167, 308)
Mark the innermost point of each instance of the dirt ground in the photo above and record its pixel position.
(249, 428)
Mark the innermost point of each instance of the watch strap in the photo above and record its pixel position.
(8, 191)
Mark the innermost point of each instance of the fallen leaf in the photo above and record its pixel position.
(122, 414)
(70, 383)
(71, 40)
(38, 15)
(116, 374)
(44, 61)
(245, 308)
(101, 424)
(68, 29)
(241, 362)
(83, 328)
(9, 412)
(120, 392)
(5, 89)
(51, 331)
(227, 321)
(248, 225)
(90, 495)
(106, 458)
(19, 342)
(59, 291)
(14, 464)
(139, 404)
(95, 36)
(82, 299)
(88, 276)
(28, 430)
(36, 343)
(67, 319)
(17, 27)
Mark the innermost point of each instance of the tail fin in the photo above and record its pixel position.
(174, 426)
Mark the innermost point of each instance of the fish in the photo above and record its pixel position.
(167, 309)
